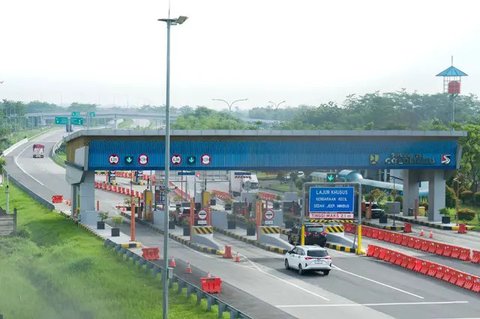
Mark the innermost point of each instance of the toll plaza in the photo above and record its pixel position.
(423, 155)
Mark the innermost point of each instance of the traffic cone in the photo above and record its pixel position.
(237, 258)
(421, 232)
(188, 270)
(172, 263)
(431, 234)
(209, 275)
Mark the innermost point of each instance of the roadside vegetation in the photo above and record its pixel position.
(53, 269)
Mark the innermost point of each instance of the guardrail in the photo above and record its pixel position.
(36, 197)
(453, 276)
(154, 270)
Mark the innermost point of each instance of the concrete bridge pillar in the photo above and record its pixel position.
(410, 191)
(436, 194)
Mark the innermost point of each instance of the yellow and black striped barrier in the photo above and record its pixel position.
(202, 230)
(270, 229)
(334, 229)
(340, 248)
(131, 245)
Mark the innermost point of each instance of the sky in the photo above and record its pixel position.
(303, 52)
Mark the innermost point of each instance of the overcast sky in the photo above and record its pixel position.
(302, 52)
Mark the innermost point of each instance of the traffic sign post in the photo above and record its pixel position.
(331, 201)
(202, 217)
(269, 215)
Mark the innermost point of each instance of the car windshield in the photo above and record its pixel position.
(315, 229)
(317, 253)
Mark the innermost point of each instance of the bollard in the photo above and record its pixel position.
(228, 252)
(407, 228)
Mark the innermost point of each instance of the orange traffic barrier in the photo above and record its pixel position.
(411, 262)
(404, 240)
(454, 277)
(381, 235)
(440, 248)
(370, 250)
(228, 252)
(475, 257)
(188, 270)
(462, 229)
(411, 242)
(424, 268)
(432, 247)
(150, 253)
(455, 252)
(172, 263)
(476, 285)
(399, 259)
(447, 250)
(381, 253)
(461, 279)
(418, 243)
(56, 199)
(405, 261)
(211, 285)
(447, 274)
(432, 269)
(469, 281)
(386, 236)
(398, 239)
(366, 231)
(464, 254)
(418, 265)
(440, 272)
(374, 233)
(376, 252)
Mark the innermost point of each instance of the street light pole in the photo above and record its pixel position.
(277, 105)
(165, 274)
(230, 104)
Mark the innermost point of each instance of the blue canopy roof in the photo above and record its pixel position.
(452, 71)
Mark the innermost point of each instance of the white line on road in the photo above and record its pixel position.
(15, 159)
(379, 283)
(289, 283)
(422, 303)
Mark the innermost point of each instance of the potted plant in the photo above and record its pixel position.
(251, 227)
(101, 223)
(231, 221)
(117, 221)
(445, 212)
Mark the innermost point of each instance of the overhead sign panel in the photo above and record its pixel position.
(61, 120)
(331, 202)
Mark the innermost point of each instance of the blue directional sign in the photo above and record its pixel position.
(331, 199)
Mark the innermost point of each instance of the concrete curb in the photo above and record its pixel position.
(394, 228)
(253, 242)
(428, 224)
(341, 248)
(181, 240)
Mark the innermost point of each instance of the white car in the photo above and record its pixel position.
(308, 258)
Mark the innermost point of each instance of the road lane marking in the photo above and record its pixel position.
(379, 283)
(288, 282)
(421, 303)
(15, 159)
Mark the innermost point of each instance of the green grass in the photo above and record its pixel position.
(54, 269)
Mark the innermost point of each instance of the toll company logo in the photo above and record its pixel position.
(374, 159)
(446, 159)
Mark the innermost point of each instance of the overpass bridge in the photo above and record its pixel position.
(42, 119)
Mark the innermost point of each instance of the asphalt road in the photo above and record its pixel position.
(358, 287)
